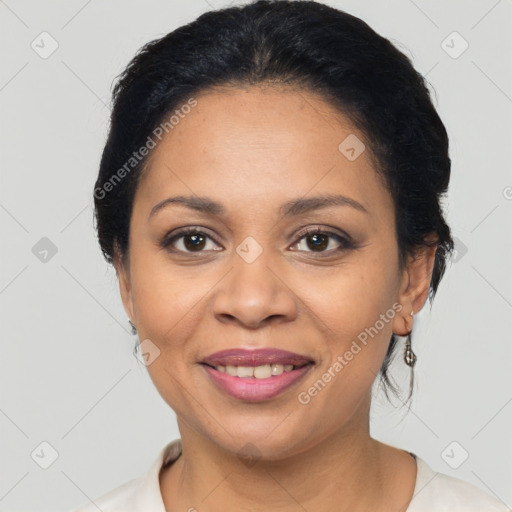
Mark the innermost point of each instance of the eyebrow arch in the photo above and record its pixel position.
(288, 209)
(304, 205)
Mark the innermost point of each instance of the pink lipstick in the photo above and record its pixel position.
(256, 375)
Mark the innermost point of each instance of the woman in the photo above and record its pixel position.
(269, 195)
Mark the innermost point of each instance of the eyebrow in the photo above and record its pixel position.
(288, 209)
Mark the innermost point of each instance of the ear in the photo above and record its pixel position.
(122, 267)
(415, 284)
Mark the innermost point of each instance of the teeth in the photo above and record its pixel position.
(259, 372)
(230, 370)
(277, 369)
(262, 372)
(244, 371)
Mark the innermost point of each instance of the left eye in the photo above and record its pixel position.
(318, 240)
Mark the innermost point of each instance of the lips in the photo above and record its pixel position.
(256, 375)
(257, 357)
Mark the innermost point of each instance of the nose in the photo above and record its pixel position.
(254, 294)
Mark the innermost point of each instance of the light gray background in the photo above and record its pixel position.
(68, 376)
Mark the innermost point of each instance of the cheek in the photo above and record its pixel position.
(163, 299)
(357, 307)
(353, 297)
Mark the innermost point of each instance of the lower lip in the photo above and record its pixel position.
(252, 389)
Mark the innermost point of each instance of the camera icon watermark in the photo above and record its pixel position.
(147, 352)
(351, 147)
(455, 455)
(454, 45)
(44, 45)
(249, 250)
(44, 250)
(460, 249)
(249, 454)
(44, 455)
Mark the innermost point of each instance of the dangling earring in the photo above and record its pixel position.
(134, 329)
(409, 355)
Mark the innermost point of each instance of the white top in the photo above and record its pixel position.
(433, 492)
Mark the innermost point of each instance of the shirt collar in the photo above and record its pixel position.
(149, 494)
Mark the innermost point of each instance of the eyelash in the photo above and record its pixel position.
(346, 242)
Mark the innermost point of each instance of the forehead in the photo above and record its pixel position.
(257, 120)
(262, 144)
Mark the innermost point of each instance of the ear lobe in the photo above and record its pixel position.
(122, 267)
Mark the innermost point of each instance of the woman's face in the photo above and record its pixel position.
(252, 278)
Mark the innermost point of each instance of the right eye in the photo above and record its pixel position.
(191, 240)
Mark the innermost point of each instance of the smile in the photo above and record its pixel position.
(255, 375)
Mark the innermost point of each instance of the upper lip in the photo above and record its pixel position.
(255, 357)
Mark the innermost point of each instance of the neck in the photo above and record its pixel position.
(344, 471)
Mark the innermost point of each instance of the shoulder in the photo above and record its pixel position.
(139, 494)
(437, 492)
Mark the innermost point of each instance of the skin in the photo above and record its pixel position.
(251, 149)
